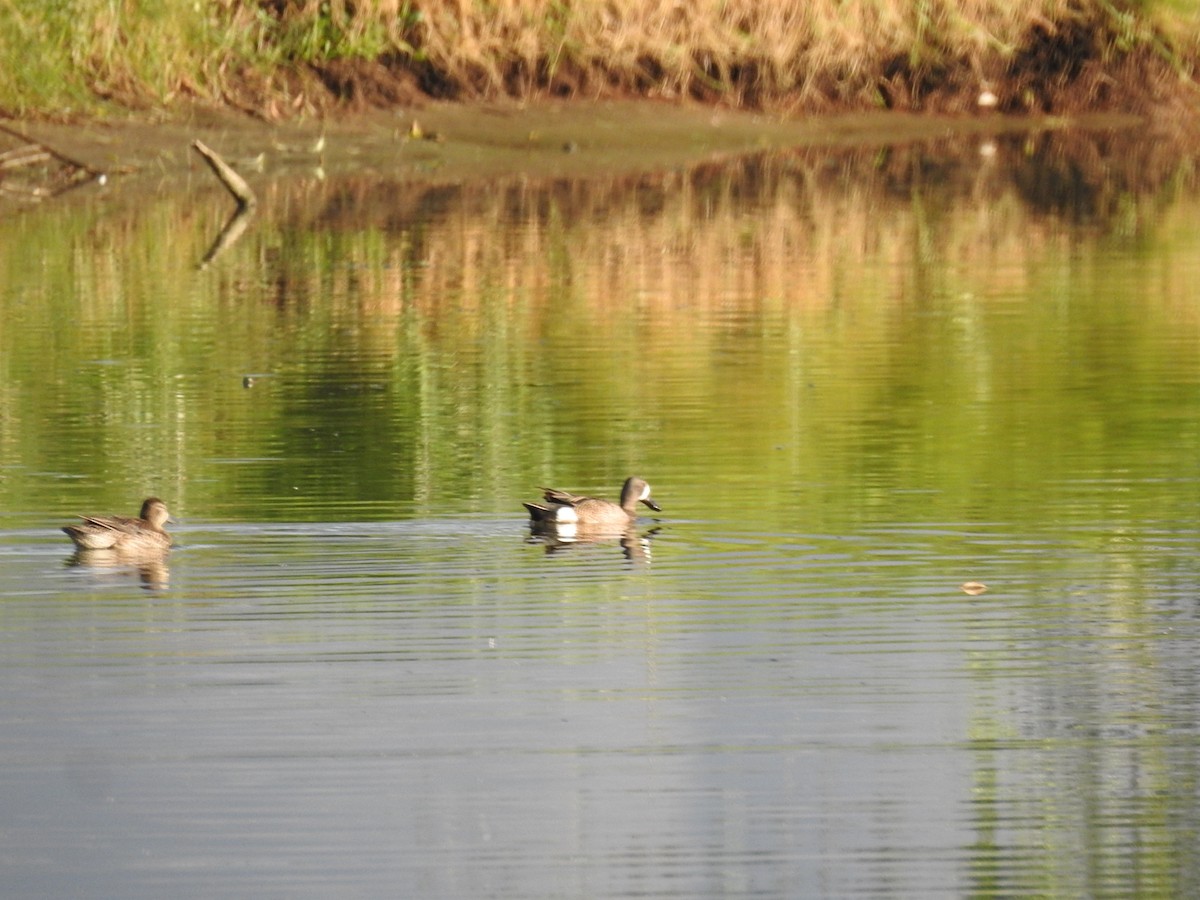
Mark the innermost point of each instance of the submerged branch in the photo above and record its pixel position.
(246, 201)
(43, 148)
(36, 171)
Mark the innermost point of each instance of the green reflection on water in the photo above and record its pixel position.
(822, 340)
(794, 350)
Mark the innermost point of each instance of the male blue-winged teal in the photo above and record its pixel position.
(562, 508)
(144, 533)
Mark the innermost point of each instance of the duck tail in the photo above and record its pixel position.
(537, 512)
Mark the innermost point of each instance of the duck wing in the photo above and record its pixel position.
(114, 523)
(563, 498)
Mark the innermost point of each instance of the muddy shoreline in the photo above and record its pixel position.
(442, 142)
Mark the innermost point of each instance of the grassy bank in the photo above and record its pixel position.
(287, 57)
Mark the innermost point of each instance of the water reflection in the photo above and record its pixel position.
(420, 333)
(864, 378)
(634, 545)
(230, 233)
(150, 567)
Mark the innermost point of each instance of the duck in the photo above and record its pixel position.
(563, 508)
(121, 533)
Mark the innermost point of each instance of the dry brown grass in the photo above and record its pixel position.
(281, 57)
(806, 54)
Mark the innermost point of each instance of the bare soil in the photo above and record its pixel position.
(433, 141)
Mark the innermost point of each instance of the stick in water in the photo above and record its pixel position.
(233, 182)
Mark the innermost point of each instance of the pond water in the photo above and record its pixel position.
(856, 379)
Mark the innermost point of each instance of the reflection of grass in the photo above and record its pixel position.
(806, 53)
(845, 320)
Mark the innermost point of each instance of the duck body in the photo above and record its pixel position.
(123, 533)
(563, 508)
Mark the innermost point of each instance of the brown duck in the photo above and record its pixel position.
(121, 533)
(562, 508)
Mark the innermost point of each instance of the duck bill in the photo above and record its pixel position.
(654, 506)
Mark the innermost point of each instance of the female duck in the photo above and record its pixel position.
(562, 508)
(143, 534)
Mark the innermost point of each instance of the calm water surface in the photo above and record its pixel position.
(856, 381)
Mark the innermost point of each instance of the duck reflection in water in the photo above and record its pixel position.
(635, 547)
(151, 567)
(565, 519)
